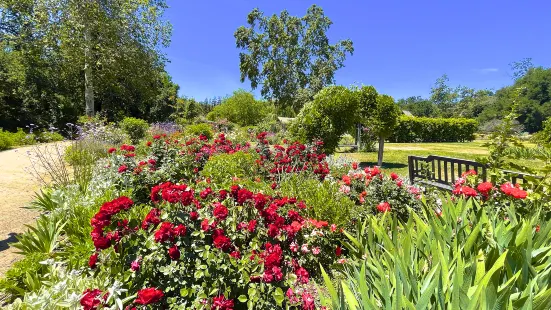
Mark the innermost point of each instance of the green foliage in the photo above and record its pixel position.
(49, 136)
(467, 258)
(135, 128)
(48, 43)
(289, 55)
(241, 108)
(331, 114)
(24, 275)
(544, 136)
(43, 238)
(422, 129)
(222, 168)
(6, 140)
(199, 129)
(323, 198)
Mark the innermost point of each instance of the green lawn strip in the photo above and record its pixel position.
(396, 154)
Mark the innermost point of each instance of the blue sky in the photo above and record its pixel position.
(401, 47)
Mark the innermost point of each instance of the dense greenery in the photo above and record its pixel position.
(45, 44)
(241, 108)
(425, 129)
(289, 56)
(327, 117)
(534, 102)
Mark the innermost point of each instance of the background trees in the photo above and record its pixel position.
(288, 55)
(57, 54)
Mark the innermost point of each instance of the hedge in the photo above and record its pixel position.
(425, 129)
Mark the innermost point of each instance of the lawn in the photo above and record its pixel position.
(396, 154)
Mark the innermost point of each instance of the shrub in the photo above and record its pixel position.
(22, 138)
(224, 249)
(222, 168)
(375, 192)
(324, 199)
(199, 129)
(292, 158)
(241, 108)
(544, 136)
(6, 140)
(135, 128)
(24, 275)
(331, 114)
(50, 136)
(424, 129)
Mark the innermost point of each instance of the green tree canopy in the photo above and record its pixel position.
(287, 54)
(241, 108)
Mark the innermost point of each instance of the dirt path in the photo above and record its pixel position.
(16, 191)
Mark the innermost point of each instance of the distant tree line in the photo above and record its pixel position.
(488, 107)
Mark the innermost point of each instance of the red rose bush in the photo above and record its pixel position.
(224, 249)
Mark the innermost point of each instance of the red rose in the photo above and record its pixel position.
(220, 211)
(174, 253)
(180, 230)
(165, 232)
(235, 254)
(148, 143)
(193, 215)
(383, 207)
(221, 303)
(123, 168)
(346, 179)
(111, 150)
(394, 176)
(338, 251)
(308, 301)
(93, 260)
(148, 296)
(102, 243)
(90, 299)
(485, 188)
(354, 165)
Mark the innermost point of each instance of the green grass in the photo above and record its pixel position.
(395, 157)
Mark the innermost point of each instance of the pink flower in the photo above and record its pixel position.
(135, 265)
(333, 227)
(123, 168)
(293, 246)
(304, 248)
(316, 250)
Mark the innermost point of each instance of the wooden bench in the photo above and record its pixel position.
(442, 172)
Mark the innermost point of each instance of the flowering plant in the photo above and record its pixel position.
(379, 193)
(225, 249)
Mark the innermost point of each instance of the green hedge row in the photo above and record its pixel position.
(425, 129)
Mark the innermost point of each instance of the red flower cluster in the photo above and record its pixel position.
(383, 207)
(92, 299)
(464, 190)
(103, 218)
(295, 157)
(221, 303)
(513, 191)
(173, 193)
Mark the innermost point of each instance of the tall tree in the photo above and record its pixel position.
(287, 54)
(97, 34)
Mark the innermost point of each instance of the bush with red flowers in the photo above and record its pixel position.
(376, 193)
(290, 158)
(230, 249)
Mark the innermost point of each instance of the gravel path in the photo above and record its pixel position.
(16, 191)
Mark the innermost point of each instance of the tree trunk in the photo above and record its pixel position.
(358, 137)
(381, 149)
(88, 74)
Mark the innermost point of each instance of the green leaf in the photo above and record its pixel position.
(242, 298)
(279, 296)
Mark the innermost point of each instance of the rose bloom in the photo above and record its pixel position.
(148, 296)
(304, 248)
(383, 207)
(293, 246)
(316, 250)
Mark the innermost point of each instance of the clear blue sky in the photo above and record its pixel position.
(401, 47)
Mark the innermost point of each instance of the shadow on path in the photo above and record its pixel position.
(5, 244)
